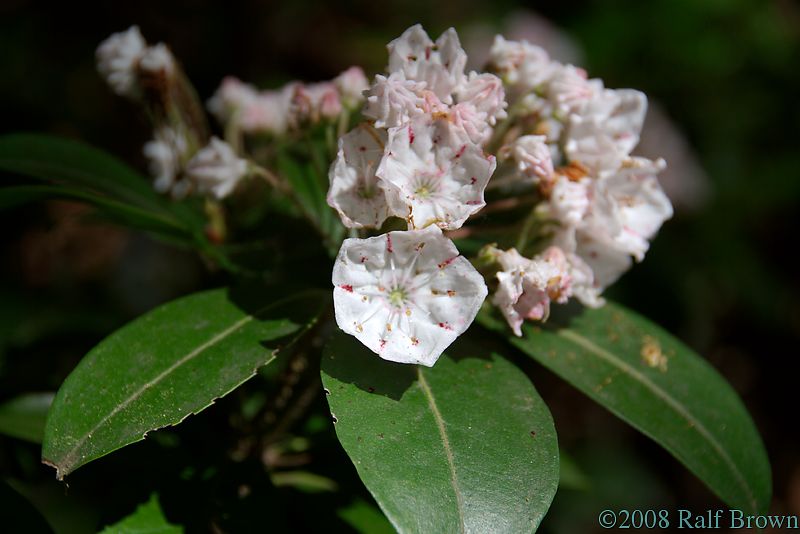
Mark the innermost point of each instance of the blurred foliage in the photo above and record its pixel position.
(723, 278)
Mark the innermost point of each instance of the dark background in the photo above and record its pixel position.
(722, 275)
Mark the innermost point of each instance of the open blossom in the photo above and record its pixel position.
(118, 58)
(625, 212)
(355, 192)
(431, 177)
(166, 153)
(440, 65)
(522, 65)
(216, 169)
(405, 295)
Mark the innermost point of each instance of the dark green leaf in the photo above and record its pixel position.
(465, 446)
(119, 212)
(23, 417)
(147, 519)
(659, 386)
(170, 363)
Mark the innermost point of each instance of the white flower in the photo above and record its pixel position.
(569, 200)
(532, 156)
(606, 130)
(484, 92)
(526, 287)
(232, 96)
(440, 65)
(216, 169)
(392, 101)
(582, 284)
(166, 153)
(355, 191)
(118, 58)
(626, 210)
(522, 65)
(351, 85)
(316, 101)
(569, 88)
(269, 112)
(469, 124)
(405, 295)
(157, 59)
(431, 178)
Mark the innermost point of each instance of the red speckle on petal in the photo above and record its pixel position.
(473, 202)
(389, 243)
(461, 151)
(447, 262)
(414, 341)
(410, 135)
(445, 326)
(473, 180)
(451, 293)
(363, 259)
(382, 345)
(347, 287)
(428, 52)
(362, 149)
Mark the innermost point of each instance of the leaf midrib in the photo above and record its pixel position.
(440, 424)
(668, 399)
(70, 457)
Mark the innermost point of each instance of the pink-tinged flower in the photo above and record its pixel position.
(392, 101)
(216, 169)
(118, 58)
(468, 124)
(526, 286)
(316, 101)
(355, 192)
(440, 65)
(569, 88)
(532, 155)
(522, 66)
(582, 282)
(569, 200)
(231, 97)
(431, 177)
(485, 93)
(269, 112)
(351, 85)
(626, 210)
(166, 153)
(405, 295)
(606, 129)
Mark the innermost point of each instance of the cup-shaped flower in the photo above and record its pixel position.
(432, 177)
(216, 169)
(405, 295)
(440, 65)
(355, 192)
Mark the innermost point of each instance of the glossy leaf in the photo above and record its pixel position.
(465, 446)
(170, 363)
(659, 386)
(147, 519)
(23, 417)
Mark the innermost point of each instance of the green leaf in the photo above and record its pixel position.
(164, 366)
(655, 383)
(23, 417)
(365, 518)
(147, 519)
(119, 212)
(465, 446)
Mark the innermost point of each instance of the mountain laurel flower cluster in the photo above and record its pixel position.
(531, 163)
(426, 154)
